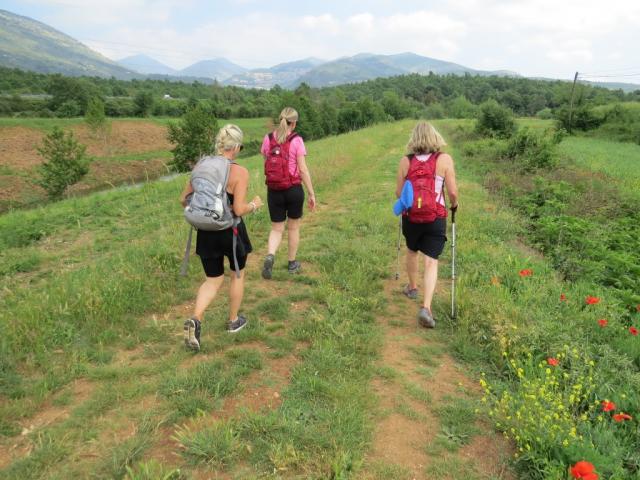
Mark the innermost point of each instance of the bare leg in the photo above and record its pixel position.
(293, 226)
(412, 268)
(275, 237)
(236, 292)
(206, 293)
(430, 279)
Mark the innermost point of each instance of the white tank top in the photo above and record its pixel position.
(439, 180)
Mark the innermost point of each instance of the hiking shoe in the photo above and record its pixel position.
(268, 266)
(411, 293)
(192, 333)
(295, 266)
(425, 319)
(237, 325)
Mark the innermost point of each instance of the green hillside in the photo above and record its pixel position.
(31, 45)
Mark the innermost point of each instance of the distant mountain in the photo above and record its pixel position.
(144, 64)
(625, 87)
(30, 45)
(367, 66)
(283, 74)
(218, 68)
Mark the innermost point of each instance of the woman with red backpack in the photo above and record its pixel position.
(285, 171)
(424, 224)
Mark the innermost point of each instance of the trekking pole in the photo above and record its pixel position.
(398, 249)
(453, 262)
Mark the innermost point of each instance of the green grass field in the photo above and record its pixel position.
(332, 378)
(619, 160)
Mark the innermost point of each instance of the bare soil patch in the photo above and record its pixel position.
(408, 424)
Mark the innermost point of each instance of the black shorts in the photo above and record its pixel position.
(428, 238)
(212, 247)
(285, 204)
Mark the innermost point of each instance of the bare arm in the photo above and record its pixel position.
(239, 190)
(450, 182)
(403, 169)
(188, 190)
(306, 180)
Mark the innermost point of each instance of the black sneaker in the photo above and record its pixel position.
(295, 267)
(268, 266)
(192, 333)
(237, 325)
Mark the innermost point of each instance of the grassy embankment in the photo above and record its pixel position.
(117, 266)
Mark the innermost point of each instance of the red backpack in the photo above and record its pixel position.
(276, 164)
(422, 175)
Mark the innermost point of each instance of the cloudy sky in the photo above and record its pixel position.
(550, 38)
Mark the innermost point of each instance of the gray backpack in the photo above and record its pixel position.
(208, 207)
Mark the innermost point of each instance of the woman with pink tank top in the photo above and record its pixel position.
(286, 204)
(426, 237)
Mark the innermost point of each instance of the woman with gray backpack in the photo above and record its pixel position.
(215, 202)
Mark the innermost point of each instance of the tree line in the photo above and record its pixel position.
(335, 109)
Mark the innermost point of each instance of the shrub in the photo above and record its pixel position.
(95, 116)
(545, 114)
(144, 103)
(434, 112)
(584, 118)
(65, 163)
(533, 150)
(193, 137)
(495, 120)
(69, 109)
(461, 107)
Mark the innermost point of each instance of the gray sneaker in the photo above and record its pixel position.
(295, 267)
(237, 325)
(192, 333)
(267, 268)
(425, 319)
(411, 293)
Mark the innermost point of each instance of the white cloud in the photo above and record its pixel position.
(533, 37)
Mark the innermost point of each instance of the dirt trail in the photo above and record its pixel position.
(418, 378)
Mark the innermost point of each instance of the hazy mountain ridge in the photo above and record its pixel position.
(283, 74)
(31, 45)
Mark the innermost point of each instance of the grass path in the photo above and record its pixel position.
(426, 421)
(291, 395)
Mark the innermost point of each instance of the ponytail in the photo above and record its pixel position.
(287, 117)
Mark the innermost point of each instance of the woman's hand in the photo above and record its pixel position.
(257, 201)
(312, 202)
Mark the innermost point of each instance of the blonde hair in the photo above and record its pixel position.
(425, 139)
(229, 137)
(287, 116)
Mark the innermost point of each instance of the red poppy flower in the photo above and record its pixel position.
(591, 300)
(584, 470)
(633, 330)
(553, 361)
(563, 297)
(620, 417)
(526, 272)
(603, 322)
(608, 406)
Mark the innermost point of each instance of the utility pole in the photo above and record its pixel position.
(573, 89)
